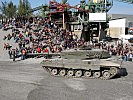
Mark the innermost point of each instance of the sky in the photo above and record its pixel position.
(118, 7)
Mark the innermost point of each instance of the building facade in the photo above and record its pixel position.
(120, 25)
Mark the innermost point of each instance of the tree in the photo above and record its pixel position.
(23, 8)
(11, 8)
(64, 1)
(27, 8)
(3, 8)
(8, 10)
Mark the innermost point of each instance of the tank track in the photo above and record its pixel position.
(112, 73)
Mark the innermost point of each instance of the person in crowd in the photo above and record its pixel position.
(10, 53)
(23, 54)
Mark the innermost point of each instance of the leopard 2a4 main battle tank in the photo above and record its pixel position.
(82, 63)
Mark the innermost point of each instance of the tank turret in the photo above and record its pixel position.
(82, 64)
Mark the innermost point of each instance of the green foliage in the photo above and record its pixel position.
(11, 8)
(64, 1)
(108, 17)
(3, 7)
(23, 7)
(8, 9)
(28, 7)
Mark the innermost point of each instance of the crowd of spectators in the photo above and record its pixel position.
(43, 36)
(118, 49)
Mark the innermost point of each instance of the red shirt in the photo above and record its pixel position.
(46, 50)
(39, 50)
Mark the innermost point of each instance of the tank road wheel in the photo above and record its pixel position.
(113, 70)
(97, 74)
(87, 74)
(54, 71)
(78, 73)
(106, 74)
(62, 72)
(70, 73)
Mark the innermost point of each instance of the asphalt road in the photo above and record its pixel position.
(26, 80)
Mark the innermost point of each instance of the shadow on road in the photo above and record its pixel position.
(122, 73)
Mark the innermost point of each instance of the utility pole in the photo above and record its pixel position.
(63, 20)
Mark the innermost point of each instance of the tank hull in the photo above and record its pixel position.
(96, 68)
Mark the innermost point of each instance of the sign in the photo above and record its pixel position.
(97, 17)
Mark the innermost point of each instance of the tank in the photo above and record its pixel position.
(82, 64)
